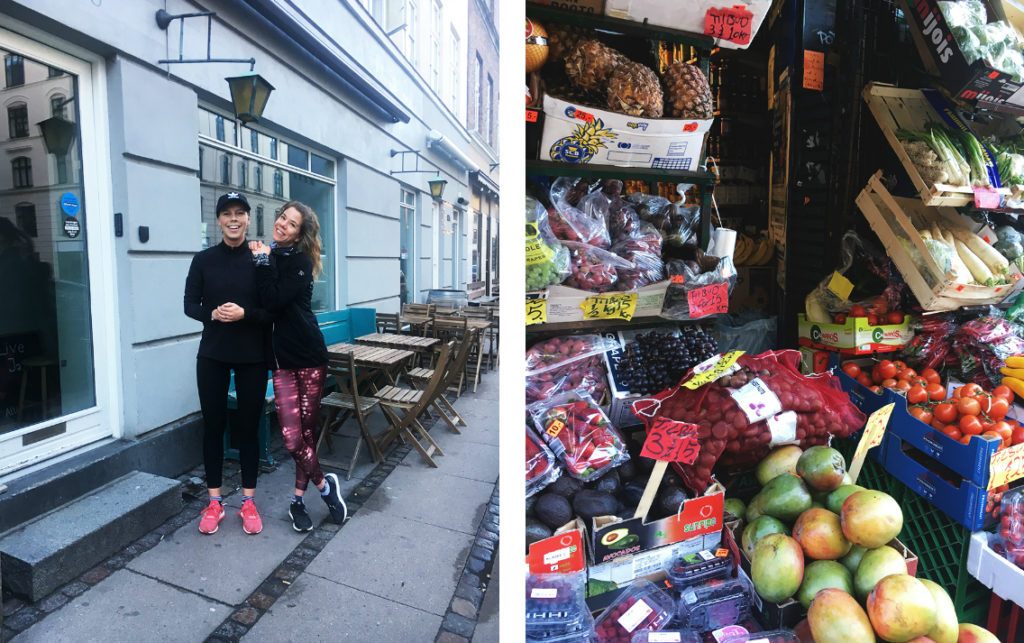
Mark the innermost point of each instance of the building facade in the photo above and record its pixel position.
(100, 217)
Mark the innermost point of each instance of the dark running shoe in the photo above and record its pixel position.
(300, 517)
(335, 503)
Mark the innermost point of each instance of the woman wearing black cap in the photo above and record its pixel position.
(220, 292)
(285, 275)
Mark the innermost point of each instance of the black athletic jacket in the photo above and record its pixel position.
(286, 291)
(218, 275)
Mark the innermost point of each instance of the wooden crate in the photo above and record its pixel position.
(894, 109)
(892, 220)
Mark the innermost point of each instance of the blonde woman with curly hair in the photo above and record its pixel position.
(285, 272)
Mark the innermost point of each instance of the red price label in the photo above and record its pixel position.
(709, 300)
(986, 198)
(532, 115)
(671, 441)
(734, 24)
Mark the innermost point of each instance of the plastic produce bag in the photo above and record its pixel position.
(687, 277)
(982, 346)
(932, 342)
(541, 469)
(641, 248)
(593, 269)
(547, 261)
(751, 333)
(586, 223)
(580, 435)
(870, 271)
(1010, 535)
(766, 402)
(567, 364)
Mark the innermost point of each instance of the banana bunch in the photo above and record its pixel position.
(751, 252)
(1013, 374)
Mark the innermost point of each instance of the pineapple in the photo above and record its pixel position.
(634, 89)
(562, 39)
(590, 63)
(688, 92)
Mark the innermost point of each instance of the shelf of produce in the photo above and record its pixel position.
(615, 172)
(625, 27)
(600, 324)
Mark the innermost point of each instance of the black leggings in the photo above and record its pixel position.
(213, 377)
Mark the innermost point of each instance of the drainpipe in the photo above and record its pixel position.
(267, 15)
(436, 139)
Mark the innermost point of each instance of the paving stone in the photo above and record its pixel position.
(475, 565)
(462, 607)
(74, 589)
(12, 605)
(300, 616)
(246, 615)
(52, 602)
(261, 601)
(22, 619)
(121, 606)
(287, 573)
(434, 498)
(448, 637)
(458, 624)
(95, 575)
(398, 559)
(230, 631)
(473, 594)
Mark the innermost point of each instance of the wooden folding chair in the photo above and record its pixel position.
(424, 311)
(348, 402)
(489, 334)
(403, 406)
(454, 377)
(388, 323)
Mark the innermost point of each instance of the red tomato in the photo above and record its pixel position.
(875, 389)
(938, 426)
(970, 390)
(889, 383)
(880, 305)
(921, 413)
(919, 381)
(970, 425)
(901, 385)
(1017, 437)
(945, 412)
(952, 432)
(931, 375)
(894, 317)
(857, 311)
(968, 406)
(916, 394)
(874, 320)
(851, 369)
(865, 379)
(1005, 432)
(840, 318)
(909, 374)
(936, 392)
(1003, 392)
(965, 439)
(900, 364)
(886, 369)
(998, 408)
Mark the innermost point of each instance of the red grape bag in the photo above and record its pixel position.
(757, 403)
(580, 435)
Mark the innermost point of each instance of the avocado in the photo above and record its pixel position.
(670, 500)
(627, 471)
(632, 492)
(530, 502)
(565, 486)
(609, 483)
(590, 502)
(536, 531)
(553, 510)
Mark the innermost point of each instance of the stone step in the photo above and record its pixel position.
(44, 554)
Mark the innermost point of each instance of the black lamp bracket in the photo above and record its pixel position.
(416, 168)
(164, 19)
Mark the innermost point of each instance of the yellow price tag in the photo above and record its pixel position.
(555, 428)
(712, 370)
(536, 250)
(1006, 466)
(536, 311)
(840, 286)
(620, 305)
(872, 437)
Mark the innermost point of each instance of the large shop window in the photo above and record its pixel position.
(307, 177)
(46, 340)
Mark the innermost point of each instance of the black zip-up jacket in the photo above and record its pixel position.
(286, 291)
(218, 275)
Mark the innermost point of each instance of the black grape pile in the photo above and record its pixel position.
(656, 360)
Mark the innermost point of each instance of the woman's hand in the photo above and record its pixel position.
(229, 312)
(258, 247)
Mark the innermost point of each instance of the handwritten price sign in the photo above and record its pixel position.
(712, 370)
(734, 24)
(671, 441)
(709, 300)
(612, 306)
(1006, 466)
(536, 311)
(872, 437)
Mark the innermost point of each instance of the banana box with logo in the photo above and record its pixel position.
(583, 135)
(855, 337)
(620, 551)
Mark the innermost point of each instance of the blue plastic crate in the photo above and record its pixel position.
(861, 396)
(960, 499)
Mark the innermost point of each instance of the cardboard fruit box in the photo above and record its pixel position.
(586, 135)
(856, 336)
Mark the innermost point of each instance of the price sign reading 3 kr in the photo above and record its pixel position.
(671, 441)
(612, 306)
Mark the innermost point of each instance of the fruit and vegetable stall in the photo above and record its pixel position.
(690, 476)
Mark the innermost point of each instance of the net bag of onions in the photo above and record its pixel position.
(753, 405)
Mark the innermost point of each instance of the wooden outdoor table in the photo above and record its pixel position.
(391, 340)
(478, 324)
(387, 360)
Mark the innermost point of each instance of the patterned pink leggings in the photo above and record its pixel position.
(297, 395)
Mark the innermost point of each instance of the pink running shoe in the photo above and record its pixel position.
(210, 517)
(251, 521)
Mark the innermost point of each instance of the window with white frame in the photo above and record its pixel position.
(410, 32)
(478, 93)
(489, 123)
(435, 47)
(455, 77)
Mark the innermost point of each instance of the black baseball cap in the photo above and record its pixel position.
(232, 197)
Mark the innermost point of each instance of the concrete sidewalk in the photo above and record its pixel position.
(412, 563)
